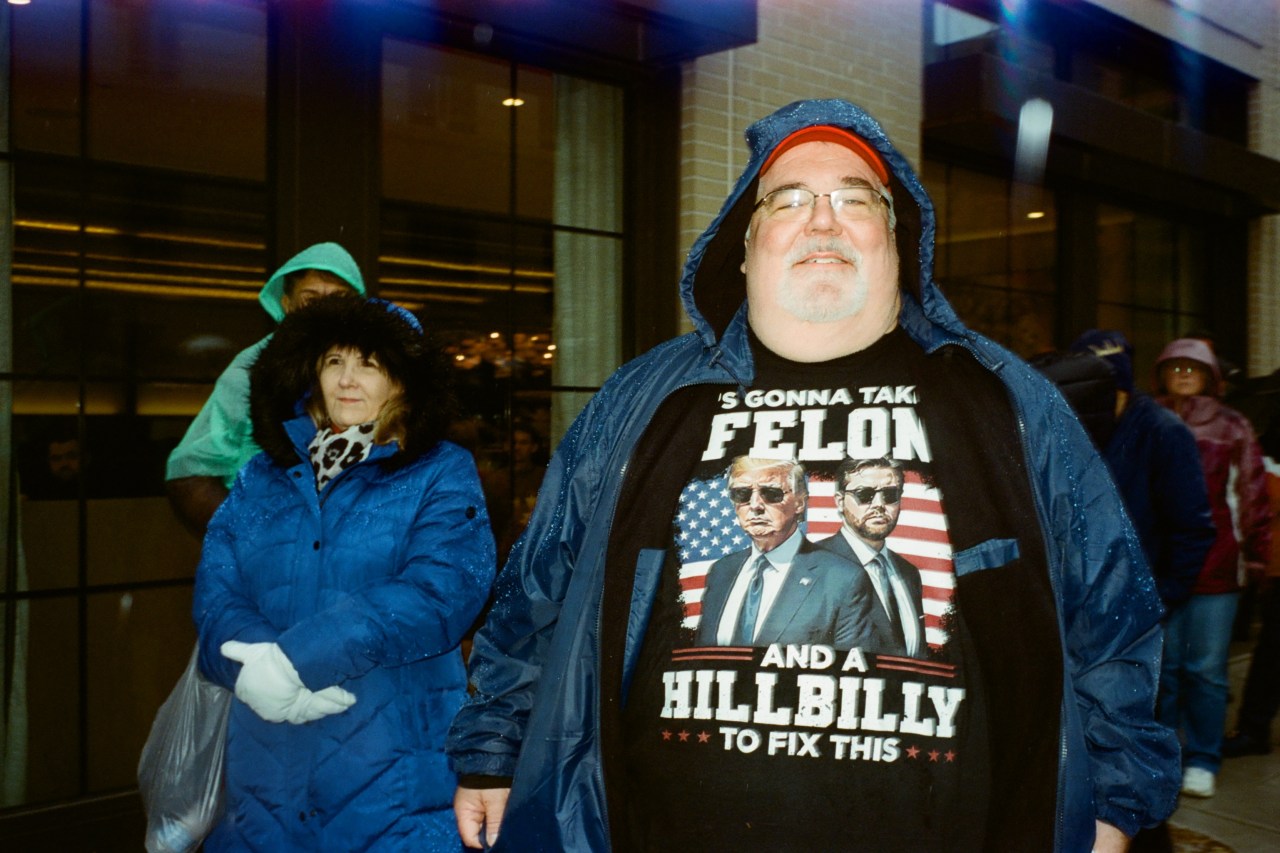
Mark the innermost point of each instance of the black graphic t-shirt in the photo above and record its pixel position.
(793, 690)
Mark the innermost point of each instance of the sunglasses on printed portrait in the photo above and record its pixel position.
(769, 494)
(864, 495)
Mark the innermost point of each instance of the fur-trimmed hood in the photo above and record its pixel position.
(284, 376)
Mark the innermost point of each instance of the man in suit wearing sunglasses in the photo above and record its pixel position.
(782, 589)
(869, 497)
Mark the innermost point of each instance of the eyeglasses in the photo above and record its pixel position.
(851, 204)
(865, 494)
(1184, 368)
(769, 494)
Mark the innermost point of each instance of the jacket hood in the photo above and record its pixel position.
(322, 256)
(1195, 350)
(284, 377)
(713, 287)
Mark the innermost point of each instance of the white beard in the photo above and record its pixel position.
(824, 299)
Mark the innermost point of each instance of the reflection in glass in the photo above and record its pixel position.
(44, 708)
(179, 85)
(130, 674)
(513, 253)
(1152, 272)
(46, 77)
(117, 272)
(997, 255)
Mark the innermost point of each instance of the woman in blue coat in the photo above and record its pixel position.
(337, 581)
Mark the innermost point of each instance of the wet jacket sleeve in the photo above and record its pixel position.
(220, 606)
(422, 610)
(1112, 637)
(508, 652)
(1253, 507)
(1180, 504)
(220, 439)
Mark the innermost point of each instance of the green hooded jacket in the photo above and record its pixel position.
(220, 439)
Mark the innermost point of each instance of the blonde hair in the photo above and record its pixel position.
(793, 469)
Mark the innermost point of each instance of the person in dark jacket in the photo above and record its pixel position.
(819, 334)
(1153, 458)
(1193, 677)
(336, 583)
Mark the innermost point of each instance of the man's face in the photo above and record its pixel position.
(308, 289)
(875, 516)
(768, 507)
(64, 459)
(523, 447)
(822, 268)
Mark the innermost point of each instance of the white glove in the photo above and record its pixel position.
(270, 685)
(312, 706)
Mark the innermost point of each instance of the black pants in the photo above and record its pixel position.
(1262, 686)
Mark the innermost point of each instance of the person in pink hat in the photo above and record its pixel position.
(1193, 676)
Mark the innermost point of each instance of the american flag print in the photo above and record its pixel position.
(706, 529)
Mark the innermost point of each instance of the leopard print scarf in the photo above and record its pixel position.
(334, 452)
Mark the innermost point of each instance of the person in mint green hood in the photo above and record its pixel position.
(203, 467)
(599, 722)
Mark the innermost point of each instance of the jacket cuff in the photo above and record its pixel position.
(480, 782)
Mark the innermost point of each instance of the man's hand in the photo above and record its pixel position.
(1108, 839)
(479, 814)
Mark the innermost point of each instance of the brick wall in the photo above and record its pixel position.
(1264, 238)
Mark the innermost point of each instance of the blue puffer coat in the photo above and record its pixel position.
(536, 663)
(369, 585)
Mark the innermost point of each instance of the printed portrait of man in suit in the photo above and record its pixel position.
(869, 497)
(783, 588)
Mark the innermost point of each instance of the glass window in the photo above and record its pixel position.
(171, 84)
(514, 252)
(179, 85)
(139, 230)
(1153, 277)
(996, 254)
(46, 109)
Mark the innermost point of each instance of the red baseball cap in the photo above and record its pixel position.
(830, 133)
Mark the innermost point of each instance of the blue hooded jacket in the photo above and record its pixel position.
(369, 584)
(536, 663)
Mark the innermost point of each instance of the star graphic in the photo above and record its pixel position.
(666, 735)
(951, 755)
(913, 751)
(933, 755)
(684, 736)
(704, 737)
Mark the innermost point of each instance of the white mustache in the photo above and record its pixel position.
(827, 245)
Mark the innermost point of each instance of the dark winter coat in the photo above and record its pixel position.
(1154, 460)
(369, 585)
(536, 663)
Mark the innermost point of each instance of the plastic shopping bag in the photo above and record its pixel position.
(180, 771)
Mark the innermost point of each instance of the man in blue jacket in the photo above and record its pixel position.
(1154, 461)
(598, 724)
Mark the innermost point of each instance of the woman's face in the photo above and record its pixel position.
(1183, 377)
(355, 388)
